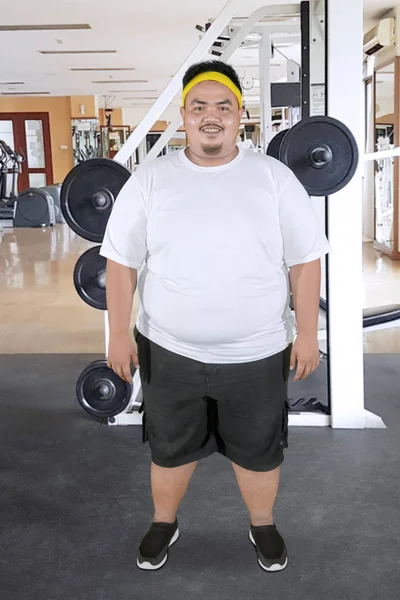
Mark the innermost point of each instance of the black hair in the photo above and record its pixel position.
(212, 65)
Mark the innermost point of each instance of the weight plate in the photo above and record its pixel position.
(316, 137)
(101, 392)
(88, 194)
(275, 144)
(90, 278)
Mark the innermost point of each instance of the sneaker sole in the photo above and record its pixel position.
(146, 566)
(273, 568)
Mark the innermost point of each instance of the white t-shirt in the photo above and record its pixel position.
(213, 246)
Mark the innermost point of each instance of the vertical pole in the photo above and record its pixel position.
(265, 91)
(345, 284)
(305, 59)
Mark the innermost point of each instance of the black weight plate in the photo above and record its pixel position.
(314, 133)
(94, 176)
(275, 144)
(101, 392)
(89, 278)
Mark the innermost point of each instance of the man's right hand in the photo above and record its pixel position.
(121, 351)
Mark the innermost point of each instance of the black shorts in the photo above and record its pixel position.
(193, 409)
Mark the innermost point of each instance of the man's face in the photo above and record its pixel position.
(211, 118)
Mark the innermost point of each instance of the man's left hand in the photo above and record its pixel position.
(305, 352)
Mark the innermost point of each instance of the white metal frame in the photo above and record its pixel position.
(345, 260)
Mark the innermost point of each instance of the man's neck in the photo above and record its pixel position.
(211, 161)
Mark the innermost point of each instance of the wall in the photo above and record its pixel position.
(90, 104)
(116, 119)
(59, 109)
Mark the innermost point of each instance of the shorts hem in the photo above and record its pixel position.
(258, 467)
(185, 460)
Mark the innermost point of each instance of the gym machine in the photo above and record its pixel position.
(7, 203)
(323, 153)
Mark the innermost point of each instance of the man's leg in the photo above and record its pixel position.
(169, 487)
(259, 491)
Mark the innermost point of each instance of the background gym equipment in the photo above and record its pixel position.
(321, 152)
(90, 278)
(275, 144)
(7, 203)
(88, 195)
(34, 207)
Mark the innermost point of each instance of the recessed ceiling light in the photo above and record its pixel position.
(25, 93)
(46, 27)
(122, 81)
(130, 91)
(77, 51)
(105, 69)
(138, 98)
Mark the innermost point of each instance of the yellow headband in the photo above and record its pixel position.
(213, 76)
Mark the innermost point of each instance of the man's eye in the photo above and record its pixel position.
(199, 108)
(224, 108)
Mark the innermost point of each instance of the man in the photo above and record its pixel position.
(221, 235)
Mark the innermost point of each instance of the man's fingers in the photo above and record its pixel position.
(300, 370)
(127, 373)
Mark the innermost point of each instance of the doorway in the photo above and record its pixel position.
(29, 134)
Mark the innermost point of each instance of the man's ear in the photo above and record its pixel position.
(182, 112)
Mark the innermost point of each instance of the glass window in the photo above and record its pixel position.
(37, 180)
(35, 144)
(7, 133)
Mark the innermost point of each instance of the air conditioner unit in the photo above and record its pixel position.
(381, 36)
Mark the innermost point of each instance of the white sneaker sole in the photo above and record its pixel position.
(273, 568)
(146, 566)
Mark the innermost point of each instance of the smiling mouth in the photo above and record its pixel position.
(211, 130)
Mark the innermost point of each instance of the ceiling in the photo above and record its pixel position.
(150, 38)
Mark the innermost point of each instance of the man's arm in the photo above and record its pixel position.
(305, 282)
(121, 285)
(120, 289)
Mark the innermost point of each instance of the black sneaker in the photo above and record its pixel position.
(270, 547)
(153, 551)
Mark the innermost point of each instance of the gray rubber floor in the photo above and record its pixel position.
(76, 502)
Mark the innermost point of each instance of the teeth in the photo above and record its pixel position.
(211, 130)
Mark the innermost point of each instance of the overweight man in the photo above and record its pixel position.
(220, 237)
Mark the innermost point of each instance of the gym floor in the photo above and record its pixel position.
(76, 496)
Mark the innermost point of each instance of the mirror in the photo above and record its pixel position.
(384, 140)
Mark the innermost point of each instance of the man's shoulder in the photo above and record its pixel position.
(266, 163)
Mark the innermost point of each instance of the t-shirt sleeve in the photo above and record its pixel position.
(125, 236)
(303, 234)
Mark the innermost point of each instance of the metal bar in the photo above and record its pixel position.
(305, 59)
(265, 91)
(174, 86)
(229, 50)
(381, 155)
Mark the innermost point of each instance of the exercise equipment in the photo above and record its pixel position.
(34, 207)
(275, 144)
(90, 278)
(101, 392)
(312, 149)
(88, 194)
(322, 153)
(55, 192)
(379, 317)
